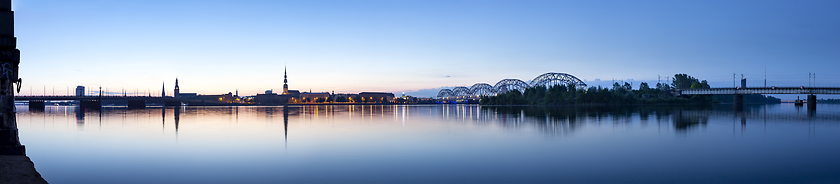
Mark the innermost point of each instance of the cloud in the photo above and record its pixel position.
(430, 92)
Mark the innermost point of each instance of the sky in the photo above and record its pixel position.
(416, 47)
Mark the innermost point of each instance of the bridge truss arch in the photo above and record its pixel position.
(482, 89)
(551, 79)
(506, 85)
(445, 93)
(461, 92)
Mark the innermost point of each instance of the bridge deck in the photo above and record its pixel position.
(761, 90)
(59, 98)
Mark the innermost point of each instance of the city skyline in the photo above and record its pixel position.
(216, 47)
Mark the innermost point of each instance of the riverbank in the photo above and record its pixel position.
(18, 169)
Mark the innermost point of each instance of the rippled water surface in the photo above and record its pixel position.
(434, 144)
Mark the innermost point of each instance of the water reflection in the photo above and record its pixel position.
(565, 120)
(392, 143)
(547, 120)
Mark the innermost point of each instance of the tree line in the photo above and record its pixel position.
(618, 94)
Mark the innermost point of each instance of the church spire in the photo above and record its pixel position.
(177, 89)
(163, 89)
(285, 82)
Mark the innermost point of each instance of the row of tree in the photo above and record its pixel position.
(618, 94)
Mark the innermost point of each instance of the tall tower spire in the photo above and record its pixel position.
(163, 89)
(285, 82)
(177, 89)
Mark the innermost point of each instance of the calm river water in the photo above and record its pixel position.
(434, 144)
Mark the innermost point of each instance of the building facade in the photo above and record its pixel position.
(376, 96)
(80, 91)
(314, 97)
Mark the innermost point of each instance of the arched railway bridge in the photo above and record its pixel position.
(483, 89)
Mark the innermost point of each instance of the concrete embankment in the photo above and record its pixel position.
(18, 169)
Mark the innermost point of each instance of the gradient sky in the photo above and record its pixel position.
(217, 47)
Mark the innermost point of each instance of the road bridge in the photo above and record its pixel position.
(37, 102)
(61, 98)
(739, 92)
(759, 90)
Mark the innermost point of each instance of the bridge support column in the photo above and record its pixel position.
(137, 104)
(90, 104)
(812, 102)
(738, 102)
(36, 105)
(172, 103)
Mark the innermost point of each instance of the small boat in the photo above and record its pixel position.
(798, 102)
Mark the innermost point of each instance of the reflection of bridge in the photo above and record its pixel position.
(739, 92)
(505, 85)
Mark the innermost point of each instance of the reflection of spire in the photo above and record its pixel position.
(286, 123)
(163, 117)
(177, 120)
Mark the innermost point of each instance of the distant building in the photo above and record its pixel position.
(178, 93)
(344, 97)
(376, 96)
(293, 96)
(227, 98)
(287, 96)
(314, 97)
(188, 95)
(80, 91)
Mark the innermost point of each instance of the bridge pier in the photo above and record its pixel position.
(812, 102)
(137, 104)
(738, 102)
(90, 104)
(36, 105)
(172, 103)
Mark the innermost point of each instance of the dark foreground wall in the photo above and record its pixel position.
(18, 169)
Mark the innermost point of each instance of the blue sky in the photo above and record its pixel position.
(406, 46)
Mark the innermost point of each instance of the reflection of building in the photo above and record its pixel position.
(80, 91)
(377, 96)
